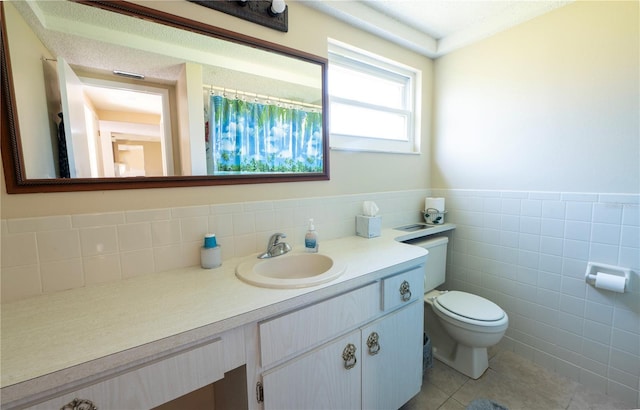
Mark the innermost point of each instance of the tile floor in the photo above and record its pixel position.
(512, 381)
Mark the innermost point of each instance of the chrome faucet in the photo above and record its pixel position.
(275, 247)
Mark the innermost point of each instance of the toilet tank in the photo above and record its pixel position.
(435, 268)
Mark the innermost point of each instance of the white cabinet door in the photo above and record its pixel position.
(392, 366)
(319, 379)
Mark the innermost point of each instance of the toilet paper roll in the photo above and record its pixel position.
(435, 203)
(613, 283)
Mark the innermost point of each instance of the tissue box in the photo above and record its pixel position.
(368, 226)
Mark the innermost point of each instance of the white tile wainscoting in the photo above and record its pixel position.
(49, 254)
(528, 252)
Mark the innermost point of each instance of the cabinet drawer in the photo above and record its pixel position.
(154, 383)
(294, 332)
(402, 288)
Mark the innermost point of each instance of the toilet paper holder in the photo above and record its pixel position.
(594, 268)
(433, 217)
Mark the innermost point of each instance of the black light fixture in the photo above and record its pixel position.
(269, 13)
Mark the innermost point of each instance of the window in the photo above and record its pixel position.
(374, 102)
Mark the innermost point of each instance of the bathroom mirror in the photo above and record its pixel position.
(206, 106)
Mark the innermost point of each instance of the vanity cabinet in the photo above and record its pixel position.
(355, 343)
(156, 380)
(150, 385)
(373, 363)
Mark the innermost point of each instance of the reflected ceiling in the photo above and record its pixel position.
(107, 41)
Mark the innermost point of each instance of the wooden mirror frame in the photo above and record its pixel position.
(12, 153)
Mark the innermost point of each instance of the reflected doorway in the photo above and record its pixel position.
(115, 128)
(134, 137)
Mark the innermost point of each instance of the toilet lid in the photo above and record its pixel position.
(470, 306)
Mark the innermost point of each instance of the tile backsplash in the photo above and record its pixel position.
(49, 254)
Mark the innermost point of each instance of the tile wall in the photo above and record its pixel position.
(528, 252)
(49, 254)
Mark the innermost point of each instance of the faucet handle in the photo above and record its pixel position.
(275, 247)
(275, 238)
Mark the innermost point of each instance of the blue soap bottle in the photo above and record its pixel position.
(311, 239)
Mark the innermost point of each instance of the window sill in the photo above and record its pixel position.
(374, 151)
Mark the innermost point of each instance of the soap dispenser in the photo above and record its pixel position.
(311, 239)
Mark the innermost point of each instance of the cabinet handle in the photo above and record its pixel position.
(405, 291)
(79, 404)
(372, 342)
(349, 356)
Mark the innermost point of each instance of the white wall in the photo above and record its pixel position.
(536, 138)
(550, 105)
(191, 120)
(38, 127)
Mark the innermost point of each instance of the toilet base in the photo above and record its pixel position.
(470, 361)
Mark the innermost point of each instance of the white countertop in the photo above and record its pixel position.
(62, 331)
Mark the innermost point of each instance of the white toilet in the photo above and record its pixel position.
(461, 325)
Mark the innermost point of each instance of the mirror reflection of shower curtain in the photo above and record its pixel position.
(63, 160)
(252, 137)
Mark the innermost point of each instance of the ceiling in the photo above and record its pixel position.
(435, 27)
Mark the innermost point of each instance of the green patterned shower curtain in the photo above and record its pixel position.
(245, 137)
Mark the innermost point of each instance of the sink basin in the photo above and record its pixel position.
(296, 270)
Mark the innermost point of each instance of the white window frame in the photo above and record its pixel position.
(360, 60)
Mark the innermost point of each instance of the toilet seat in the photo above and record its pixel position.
(470, 308)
